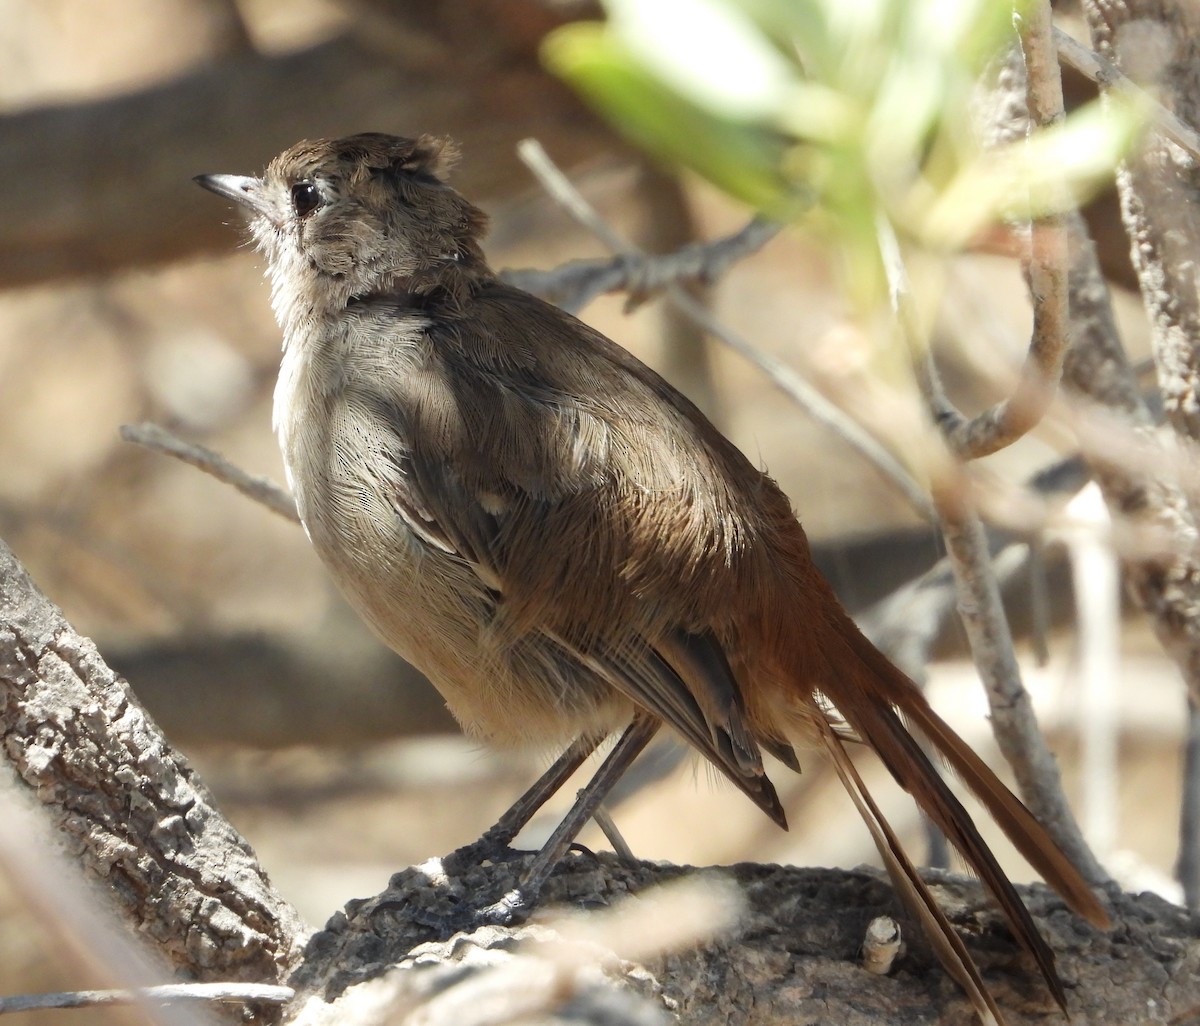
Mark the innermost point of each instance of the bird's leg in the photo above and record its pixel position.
(496, 839)
(517, 902)
(608, 827)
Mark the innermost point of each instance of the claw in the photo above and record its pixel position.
(485, 850)
(510, 910)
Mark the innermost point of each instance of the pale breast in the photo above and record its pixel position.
(342, 453)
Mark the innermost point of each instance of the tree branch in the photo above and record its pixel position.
(575, 284)
(1107, 75)
(982, 613)
(1162, 211)
(792, 955)
(1046, 267)
(262, 490)
(1159, 200)
(1014, 722)
(126, 803)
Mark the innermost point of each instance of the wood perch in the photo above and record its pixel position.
(793, 955)
(126, 804)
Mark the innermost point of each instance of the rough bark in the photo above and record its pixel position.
(126, 805)
(1161, 208)
(792, 956)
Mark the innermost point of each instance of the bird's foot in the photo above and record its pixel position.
(487, 849)
(511, 910)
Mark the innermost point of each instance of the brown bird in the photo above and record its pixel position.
(561, 541)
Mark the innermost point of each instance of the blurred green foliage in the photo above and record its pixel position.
(849, 110)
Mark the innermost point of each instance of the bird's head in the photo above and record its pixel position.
(345, 220)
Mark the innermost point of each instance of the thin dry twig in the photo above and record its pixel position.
(260, 489)
(1013, 720)
(788, 381)
(163, 994)
(1047, 269)
(1108, 76)
(575, 284)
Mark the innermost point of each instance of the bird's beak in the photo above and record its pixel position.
(241, 189)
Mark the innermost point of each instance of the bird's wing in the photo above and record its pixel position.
(645, 675)
(535, 484)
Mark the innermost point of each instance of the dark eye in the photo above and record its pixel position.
(305, 198)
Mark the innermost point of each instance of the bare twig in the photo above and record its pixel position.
(575, 284)
(559, 186)
(1107, 75)
(815, 405)
(792, 384)
(209, 992)
(1013, 719)
(1047, 266)
(1187, 866)
(260, 489)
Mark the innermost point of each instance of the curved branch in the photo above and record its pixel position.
(1046, 268)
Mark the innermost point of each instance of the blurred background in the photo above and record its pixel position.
(130, 295)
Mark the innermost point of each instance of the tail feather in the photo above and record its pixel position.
(1028, 836)
(884, 732)
(1026, 833)
(913, 891)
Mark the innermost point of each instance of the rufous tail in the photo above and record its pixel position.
(860, 676)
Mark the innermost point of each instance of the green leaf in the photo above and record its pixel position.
(1054, 170)
(708, 51)
(743, 158)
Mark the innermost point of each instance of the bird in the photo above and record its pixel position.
(563, 543)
